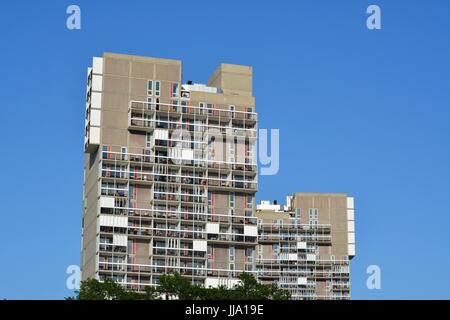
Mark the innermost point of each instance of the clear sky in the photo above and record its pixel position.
(359, 111)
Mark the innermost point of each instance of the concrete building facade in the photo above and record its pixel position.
(170, 173)
(306, 245)
(170, 177)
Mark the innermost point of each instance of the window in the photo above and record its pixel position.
(232, 269)
(298, 216)
(249, 201)
(249, 254)
(124, 153)
(150, 88)
(249, 112)
(313, 219)
(231, 199)
(201, 106)
(149, 103)
(231, 147)
(131, 193)
(231, 253)
(157, 88)
(175, 89)
(250, 147)
(210, 197)
(149, 140)
(275, 248)
(105, 152)
(232, 109)
(175, 105)
(209, 107)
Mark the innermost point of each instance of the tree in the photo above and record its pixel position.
(250, 289)
(175, 286)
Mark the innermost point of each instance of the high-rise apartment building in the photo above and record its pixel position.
(170, 173)
(170, 177)
(306, 245)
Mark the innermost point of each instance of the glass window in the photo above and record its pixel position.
(249, 112)
(149, 103)
(210, 196)
(249, 201)
(157, 88)
(232, 199)
(232, 268)
(232, 109)
(105, 152)
(231, 252)
(149, 140)
(175, 105)
(150, 88)
(175, 89)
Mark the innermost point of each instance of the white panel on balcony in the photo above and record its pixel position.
(310, 257)
(211, 282)
(96, 100)
(94, 135)
(97, 65)
(199, 245)
(351, 226)
(161, 134)
(351, 237)
(89, 71)
(350, 214)
(175, 153)
(303, 281)
(301, 244)
(120, 239)
(107, 202)
(251, 231)
(351, 250)
(95, 117)
(187, 154)
(216, 282)
(350, 203)
(113, 221)
(97, 83)
(292, 257)
(212, 227)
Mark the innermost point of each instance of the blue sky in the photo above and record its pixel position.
(359, 111)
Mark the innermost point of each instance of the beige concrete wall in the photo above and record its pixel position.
(233, 79)
(332, 210)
